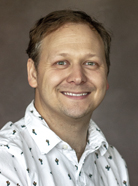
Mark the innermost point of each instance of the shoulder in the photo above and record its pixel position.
(11, 134)
(117, 163)
(11, 158)
(113, 153)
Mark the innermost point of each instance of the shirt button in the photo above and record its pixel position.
(65, 146)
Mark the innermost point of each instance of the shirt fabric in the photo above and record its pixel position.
(31, 154)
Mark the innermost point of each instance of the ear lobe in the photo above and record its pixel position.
(32, 73)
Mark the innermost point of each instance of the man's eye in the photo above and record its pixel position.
(91, 63)
(61, 62)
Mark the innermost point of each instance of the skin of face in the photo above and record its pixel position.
(71, 79)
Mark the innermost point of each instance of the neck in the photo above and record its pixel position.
(72, 131)
(75, 134)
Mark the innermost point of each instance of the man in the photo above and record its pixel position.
(57, 143)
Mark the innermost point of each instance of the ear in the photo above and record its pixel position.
(32, 73)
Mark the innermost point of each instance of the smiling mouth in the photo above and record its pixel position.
(76, 94)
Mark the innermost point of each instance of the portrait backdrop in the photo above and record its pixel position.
(118, 114)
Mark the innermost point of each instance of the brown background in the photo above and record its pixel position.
(117, 115)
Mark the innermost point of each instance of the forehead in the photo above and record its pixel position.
(73, 35)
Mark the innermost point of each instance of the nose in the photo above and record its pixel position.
(77, 75)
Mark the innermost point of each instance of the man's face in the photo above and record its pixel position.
(71, 78)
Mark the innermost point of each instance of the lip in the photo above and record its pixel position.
(75, 95)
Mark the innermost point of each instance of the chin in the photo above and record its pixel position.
(75, 114)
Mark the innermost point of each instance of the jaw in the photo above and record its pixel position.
(68, 105)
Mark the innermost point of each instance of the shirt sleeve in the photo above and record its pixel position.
(11, 173)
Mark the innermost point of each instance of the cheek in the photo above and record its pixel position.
(103, 85)
(51, 80)
(98, 79)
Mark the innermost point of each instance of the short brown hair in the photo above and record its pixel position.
(55, 20)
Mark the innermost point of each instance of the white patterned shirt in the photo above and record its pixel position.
(33, 155)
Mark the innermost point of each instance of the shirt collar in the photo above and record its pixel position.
(96, 139)
(46, 139)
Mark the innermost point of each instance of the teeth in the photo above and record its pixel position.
(72, 94)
